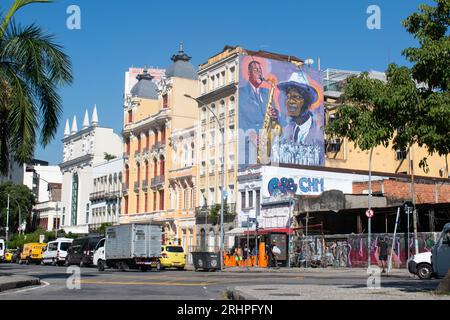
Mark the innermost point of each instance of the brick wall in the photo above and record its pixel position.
(395, 189)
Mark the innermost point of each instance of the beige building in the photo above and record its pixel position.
(155, 115)
(342, 154)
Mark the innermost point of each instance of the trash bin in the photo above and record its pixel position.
(206, 261)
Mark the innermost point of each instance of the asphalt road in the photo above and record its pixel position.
(182, 285)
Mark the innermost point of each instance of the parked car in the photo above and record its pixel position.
(440, 257)
(435, 263)
(130, 246)
(173, 256)
(32, 252)
(2, 249)
(81, 251)
(56, 251)
(420, 265)
(8, 255)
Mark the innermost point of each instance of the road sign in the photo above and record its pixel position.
(370, 214)
(408, 207)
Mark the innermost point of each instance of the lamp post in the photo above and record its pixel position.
(222, 196)
(56, 208)
(7, 215)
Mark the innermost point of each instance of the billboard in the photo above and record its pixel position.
(281, 113)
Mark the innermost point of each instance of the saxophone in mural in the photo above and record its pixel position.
(270, 129)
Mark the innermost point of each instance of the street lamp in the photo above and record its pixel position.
(222, 196)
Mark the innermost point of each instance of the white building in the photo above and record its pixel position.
(106, 193)
(83, 150)
(264, 191)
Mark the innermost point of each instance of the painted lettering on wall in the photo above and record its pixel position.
(285, 186)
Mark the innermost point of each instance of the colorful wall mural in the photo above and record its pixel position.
(281, 113)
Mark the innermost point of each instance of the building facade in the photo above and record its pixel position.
(83, 150)
(159, 174)
(106, 196)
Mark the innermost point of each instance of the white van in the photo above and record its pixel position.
(56, 251)
(2, 249)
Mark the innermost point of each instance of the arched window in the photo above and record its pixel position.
(162, 166)
(211, 240)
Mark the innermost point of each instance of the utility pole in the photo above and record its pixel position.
(411, 169)
(7, 220)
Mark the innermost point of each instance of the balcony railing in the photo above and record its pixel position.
(126, 155)
(136, 186)
(137, 154)
(145, 185)
(97, 195)
(157, 182)
(158, 146)
(203, 214)
(125, 187)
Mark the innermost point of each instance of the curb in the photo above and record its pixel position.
(18, 283)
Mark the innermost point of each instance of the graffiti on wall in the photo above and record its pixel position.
(304, 185)
(351, 251)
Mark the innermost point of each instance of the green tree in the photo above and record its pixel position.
(32, 67)
(361, 117)
(430, 124)
(21, 196)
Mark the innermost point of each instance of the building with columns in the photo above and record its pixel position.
(156, 116)
(83, 150)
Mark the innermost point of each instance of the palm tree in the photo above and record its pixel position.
(32, 67)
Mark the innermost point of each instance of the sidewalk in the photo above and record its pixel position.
(9, 282)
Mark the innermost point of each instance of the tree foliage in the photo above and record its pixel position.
(32, 68)
(21, 196)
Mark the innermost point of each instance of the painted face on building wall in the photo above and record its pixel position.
(295, 103)
(255, 75)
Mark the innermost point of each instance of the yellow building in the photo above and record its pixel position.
(152, 113)
(340, 153)
(219, 79)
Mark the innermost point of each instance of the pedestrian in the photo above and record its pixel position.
(383, 247)
(271, 254)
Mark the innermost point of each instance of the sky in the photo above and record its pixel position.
(116, 35)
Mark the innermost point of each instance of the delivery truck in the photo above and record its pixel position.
(130, 246)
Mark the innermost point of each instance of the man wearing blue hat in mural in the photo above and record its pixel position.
(302, 129)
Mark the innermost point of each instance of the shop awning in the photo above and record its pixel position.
(238, 231)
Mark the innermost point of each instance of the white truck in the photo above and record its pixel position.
(130, 246)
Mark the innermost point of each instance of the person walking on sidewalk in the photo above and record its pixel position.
(383, 247)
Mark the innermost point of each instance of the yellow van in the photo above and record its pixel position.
(172, 257)
(32, 252)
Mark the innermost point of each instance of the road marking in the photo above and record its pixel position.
(46, 284)
(139, 283)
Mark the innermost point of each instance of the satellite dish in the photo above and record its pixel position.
(309, 62)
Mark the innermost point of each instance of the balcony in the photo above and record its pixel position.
(211, 214)
(111, 195)
(137, 154)
(232, 112)
(97, 195)
(126, 156)
(145, 185)
(125, 187)
(137, 186)
(156, 148)
(157, 182)
(145, 153)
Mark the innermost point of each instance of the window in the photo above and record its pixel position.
(212, 136)
(333, 145)
(192, 199)
(163, 135)
(203, 141)
(213, 82)
(162, 166)
(192, 154)
(258, 202)
(146, 202)
(87, 213)
(130, 116)
(232, 75)
(203, 200)
(165, 103)
(402, 155)
(222, 78)
(126, 205)
(231, 131)
(74, 210)
(204, 82)
(243, 203)
(212, 198)
(184, 199)
(137, 204)
(154, 201)
(250, 199)
(161, 200)
(63, 215)
(231, 194)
